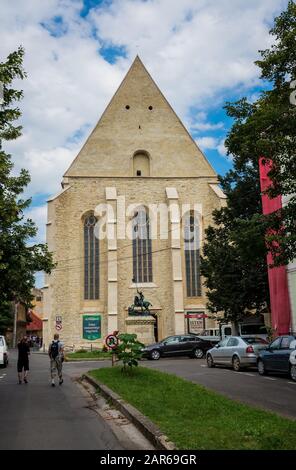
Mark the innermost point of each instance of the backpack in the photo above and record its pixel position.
(54, 349)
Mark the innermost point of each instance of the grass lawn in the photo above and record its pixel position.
(194, 417)
(95, 354)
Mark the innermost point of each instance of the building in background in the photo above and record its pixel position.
(140, 152)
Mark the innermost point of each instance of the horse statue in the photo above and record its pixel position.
(140, 302)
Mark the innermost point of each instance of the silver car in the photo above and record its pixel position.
(236, 351)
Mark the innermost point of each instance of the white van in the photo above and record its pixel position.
(3, 352)
(246, 330)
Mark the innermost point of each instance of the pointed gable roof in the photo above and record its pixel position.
(139, 117)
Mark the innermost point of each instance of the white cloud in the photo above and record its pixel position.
(39, 216)
(196, 51)
(199, 123)
(221, 148)
(213, 143)
(207, 143)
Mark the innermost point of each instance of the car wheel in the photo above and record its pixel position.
(198, 353)
(210, 361)
(155, 355)
(236, 365)
(293, 372)
(261, 367)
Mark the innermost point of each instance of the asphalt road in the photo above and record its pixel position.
(275, 393)
(38, 416)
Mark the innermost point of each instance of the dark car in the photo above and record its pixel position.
(277, 357)
(178, 345)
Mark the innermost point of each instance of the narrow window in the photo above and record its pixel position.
(142, 247)
(192, 255)
(91, 260)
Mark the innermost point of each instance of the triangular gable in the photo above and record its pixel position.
(139, 117)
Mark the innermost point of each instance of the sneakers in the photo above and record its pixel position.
(52, 383)
(25, 380)
(61, 381)
(20, 382)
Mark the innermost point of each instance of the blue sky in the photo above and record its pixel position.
(201, 54)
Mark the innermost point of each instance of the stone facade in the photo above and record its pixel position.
(173, 172)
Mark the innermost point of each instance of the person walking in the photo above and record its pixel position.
(56, 355)
(23, 360)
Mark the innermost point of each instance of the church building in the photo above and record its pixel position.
(138, 161)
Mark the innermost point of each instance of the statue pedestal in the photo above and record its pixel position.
(142, 326)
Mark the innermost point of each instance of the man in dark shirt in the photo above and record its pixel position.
(23, 359)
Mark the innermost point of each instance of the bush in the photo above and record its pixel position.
(129, 351)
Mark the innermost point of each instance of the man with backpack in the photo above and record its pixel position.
(56, 354)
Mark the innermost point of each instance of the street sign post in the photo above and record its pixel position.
(111, 342)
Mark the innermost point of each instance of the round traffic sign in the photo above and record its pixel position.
(111, 341)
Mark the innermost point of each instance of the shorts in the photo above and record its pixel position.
(22, 364)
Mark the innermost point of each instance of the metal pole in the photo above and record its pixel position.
(14, 325)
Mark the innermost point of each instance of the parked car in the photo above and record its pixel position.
(178, 345)
(3, 352)
(279, 357)
(236, 351)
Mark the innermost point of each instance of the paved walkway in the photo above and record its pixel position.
(38, 416)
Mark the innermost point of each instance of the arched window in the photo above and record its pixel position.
(91, 259)
(192, 255)
(142, 254)
(141, 163)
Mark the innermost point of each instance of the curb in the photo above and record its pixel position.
(88, 359)
(147, 427)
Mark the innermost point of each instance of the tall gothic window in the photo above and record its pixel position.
(192, 255)
(142, 247)
(91, 259)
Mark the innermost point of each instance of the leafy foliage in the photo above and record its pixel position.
(129, 351)
(268, 128)
(234, 261)
(234, 255)
(19, 259)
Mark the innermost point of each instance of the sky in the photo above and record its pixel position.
(201, 54)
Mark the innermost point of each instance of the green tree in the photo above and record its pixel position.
(234, 255)
(268, 128)
(19, 259)
(129, 351)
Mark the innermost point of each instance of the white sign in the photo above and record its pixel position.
(58, 323)
(195, 325)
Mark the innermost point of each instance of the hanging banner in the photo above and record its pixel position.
(91, 327)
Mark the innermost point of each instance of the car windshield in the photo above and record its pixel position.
(255, 341)
(253, 330)
(1, 341)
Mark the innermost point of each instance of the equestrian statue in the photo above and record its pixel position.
(140, 305)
